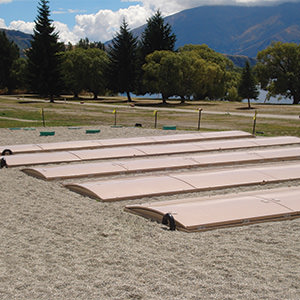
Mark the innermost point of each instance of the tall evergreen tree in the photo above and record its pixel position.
(122, 69)
(44, 61)
(247, 87)
(9, 53)
(157, 35)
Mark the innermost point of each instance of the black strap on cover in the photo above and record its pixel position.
(3, 163)
(6, 152)
(168, 219)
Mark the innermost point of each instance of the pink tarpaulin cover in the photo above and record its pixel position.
(173, 183)
(155, 164)
(90, 144)
(196, 214)
(135, 151)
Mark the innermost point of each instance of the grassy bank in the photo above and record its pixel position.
(217, 115)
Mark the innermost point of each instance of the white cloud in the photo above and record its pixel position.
(105, 23)
(2, 23)
(61, 11)
(5, 1)
(26, 27)
(65, 34)
(76, 11)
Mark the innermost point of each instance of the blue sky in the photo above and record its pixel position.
(98, 20)
(63, 11)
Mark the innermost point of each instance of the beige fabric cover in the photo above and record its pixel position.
(135, 151)
(90, 144)
(154, 164)
(146, 186)
(197, 214)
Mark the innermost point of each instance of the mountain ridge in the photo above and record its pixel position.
(235, 30)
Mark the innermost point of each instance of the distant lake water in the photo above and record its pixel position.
(261, 98)
(273, 100)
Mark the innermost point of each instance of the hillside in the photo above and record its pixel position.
(236, 30)
(20, 38)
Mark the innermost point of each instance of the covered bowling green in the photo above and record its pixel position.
(188, 214)
(200, 214)
(158, 164)
(184, 182)
(146, 150)
(119, 142)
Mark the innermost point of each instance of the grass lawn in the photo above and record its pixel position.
(88, 112)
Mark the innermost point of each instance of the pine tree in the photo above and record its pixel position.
(9, 53)
(44, 61)
(247, 87)
(157, 35)
(122, 69)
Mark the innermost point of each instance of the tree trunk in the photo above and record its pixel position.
(51, 98)
(128, 97)
(296, 100)
(249, 105)
(95, 96)
(182, 99)
(164, 98)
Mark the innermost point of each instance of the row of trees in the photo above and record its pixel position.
(147, 66)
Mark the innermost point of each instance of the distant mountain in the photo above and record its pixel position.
(240, 60)
(20, 38)
(236, 30)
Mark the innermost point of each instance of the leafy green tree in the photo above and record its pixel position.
(44, 60)
(232, 83)
(157, 35)
(122, 71)
(209, 80)
(18, 74)
(9, 53)
(75, 70)
(232, 94)
(162, 73)
(84, 69)
(186, 74)
(97, 65)
(208, 54)
(197, 76)
(188, 70)
(86, 44)
(278, 70)
(247, 87)
(212, 71)
(83, 43)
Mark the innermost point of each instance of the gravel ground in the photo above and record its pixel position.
(56, 244)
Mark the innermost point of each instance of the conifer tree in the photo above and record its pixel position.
(247, 87)
(122, 54)
(44, 61)
(9, 53)
(157, 35)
